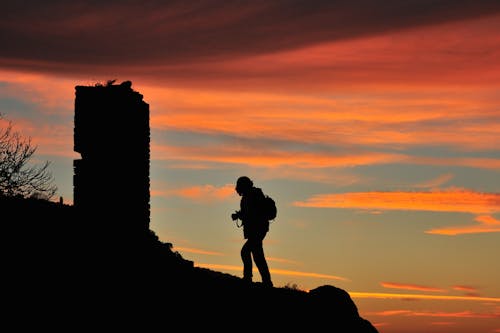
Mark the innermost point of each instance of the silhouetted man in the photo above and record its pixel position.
(255, 228)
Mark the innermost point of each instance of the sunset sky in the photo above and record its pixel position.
(375, 125)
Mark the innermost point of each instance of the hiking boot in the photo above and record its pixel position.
(267, 284)
(247, 280)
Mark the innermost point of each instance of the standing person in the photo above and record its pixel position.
(255, 228)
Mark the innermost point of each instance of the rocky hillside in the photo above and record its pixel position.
(66, 271)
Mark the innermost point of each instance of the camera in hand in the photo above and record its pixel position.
(235, 215)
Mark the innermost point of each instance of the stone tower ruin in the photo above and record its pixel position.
(112, 135)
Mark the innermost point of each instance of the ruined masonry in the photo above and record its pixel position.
(112, 135)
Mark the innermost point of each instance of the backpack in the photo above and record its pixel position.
(270, 210)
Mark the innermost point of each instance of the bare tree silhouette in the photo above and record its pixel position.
(17, 176)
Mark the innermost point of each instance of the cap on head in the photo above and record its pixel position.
(243, 183)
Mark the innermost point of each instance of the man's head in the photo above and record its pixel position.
(243, 184)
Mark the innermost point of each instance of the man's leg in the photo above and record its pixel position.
(260, 261)
(246, 257)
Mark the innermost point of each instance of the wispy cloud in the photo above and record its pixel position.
(449, 119)
(276, 271)
(271, 157)
(395, 285)
(486, 224)
(183, 249)
(443, 323)
(196, 251)
(436, 182)
(202, 193)
(461, 314)
(465, 288)
(468, 290)
(47, 93)
(323, 130)
(274, 157)
(451, 200)
(471, 162)
(375, 295)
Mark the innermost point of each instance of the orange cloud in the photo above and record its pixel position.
(51, 95)
(197, 251)
(486, 224)
(270, 157)
(394, 285)
(315, 119)
(472, 162)
(462, 314)
(320, 119)
(255, 155)
(453, 200)
(464, 288)
(206, 193)
(392, 312)
(355, 294)
(49, 139)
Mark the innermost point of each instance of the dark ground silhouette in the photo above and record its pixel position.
(63, 272)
